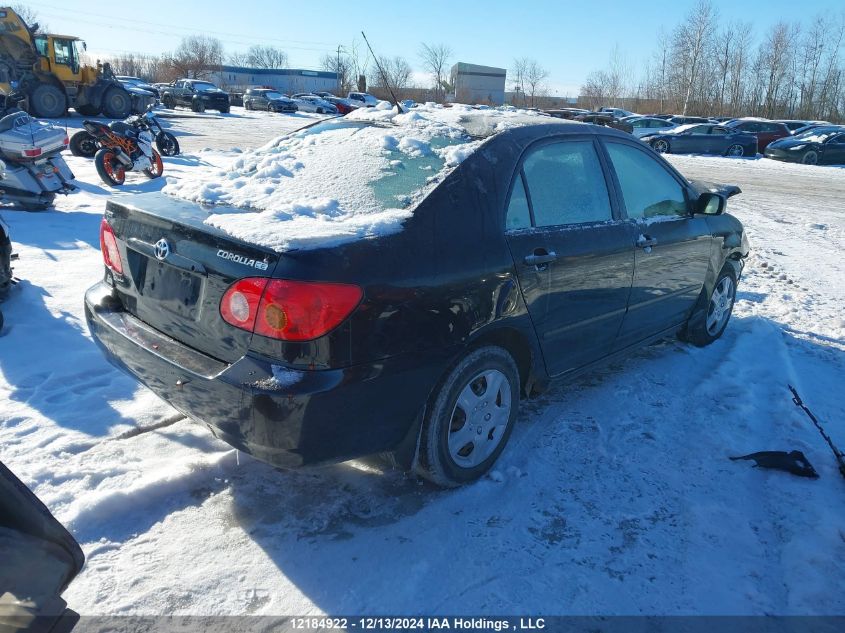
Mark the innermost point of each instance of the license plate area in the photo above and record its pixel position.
(177, 291)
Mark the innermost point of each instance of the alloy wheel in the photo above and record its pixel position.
(721, 304)
(735, 150)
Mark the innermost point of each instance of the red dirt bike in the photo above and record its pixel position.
(123, 147)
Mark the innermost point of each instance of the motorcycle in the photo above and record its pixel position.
(123, 146)
(85, 144)
(32, 170)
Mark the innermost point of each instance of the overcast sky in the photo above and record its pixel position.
(568, 38)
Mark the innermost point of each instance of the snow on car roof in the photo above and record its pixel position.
(345, 178)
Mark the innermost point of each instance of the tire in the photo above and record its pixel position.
(158, 167)
(735, 150)
(47, 101)
(83, 144)
(167, 144)
(247, 107)
(450, 453)
(224, 110)
(87, 110)
(167, 102)
(713, 311)
(661, 146)
(810, 158)
(109, 168)
(116, 103)
(198, 106)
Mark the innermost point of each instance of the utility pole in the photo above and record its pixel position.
(337, 69)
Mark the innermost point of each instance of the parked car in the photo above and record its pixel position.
(808, 127)
(793, 125)
(420, 341)
(137, 82)
(313, 103)
(686, 120)
(617, 112)
(363, 99)
(197, 95)
(819, 146)
(268, 99)
(606, 119)
(344, 106)
(703, 138)
(566, 113)
(644, 126)
(765, 131)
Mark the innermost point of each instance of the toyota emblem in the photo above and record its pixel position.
(162, 249)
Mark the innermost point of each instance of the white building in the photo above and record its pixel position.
(478, 84)
(285, 80)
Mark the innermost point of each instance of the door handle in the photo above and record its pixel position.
(646, 241)
(539, 257)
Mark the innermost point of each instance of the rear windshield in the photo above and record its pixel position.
(343, 179)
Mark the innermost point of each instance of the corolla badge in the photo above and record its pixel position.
(162, 249)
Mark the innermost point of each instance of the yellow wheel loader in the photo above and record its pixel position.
(48, 70)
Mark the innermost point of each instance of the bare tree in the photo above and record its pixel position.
(197, 56)
(339, 64)
(260, 56)
(29, 16)
(435, 59)
(535, 75)
(518, 76)
(397, 72)
(689, 43)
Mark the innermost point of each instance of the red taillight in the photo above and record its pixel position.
(108, 244)
(288, 310)
(67, 140)
(32, 153)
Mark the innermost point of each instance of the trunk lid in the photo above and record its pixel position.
(176, 269)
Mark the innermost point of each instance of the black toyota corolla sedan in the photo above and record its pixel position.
(704, 138)
(541, 250)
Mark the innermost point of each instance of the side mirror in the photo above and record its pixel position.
(710, 204)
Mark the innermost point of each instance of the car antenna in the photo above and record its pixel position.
(383, 76)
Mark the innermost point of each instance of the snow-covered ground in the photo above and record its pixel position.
(614, 496)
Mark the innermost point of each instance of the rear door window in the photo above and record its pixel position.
(566, 184)
(648, 189)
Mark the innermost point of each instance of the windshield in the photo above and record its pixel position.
(819, 134)
(204, 85)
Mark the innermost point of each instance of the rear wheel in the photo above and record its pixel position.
(167, 144)
(198, 106)
(47, 101)
(470, 418)
(660, 146)
(736, 150)
(167, 102)
(83, 144)
(224, 110)
(116, 103)
(157, 167)
(111, 170)
(810, 158)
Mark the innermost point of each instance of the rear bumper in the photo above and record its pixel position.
(285, 417)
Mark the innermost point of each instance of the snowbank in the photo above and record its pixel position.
(343, 179)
